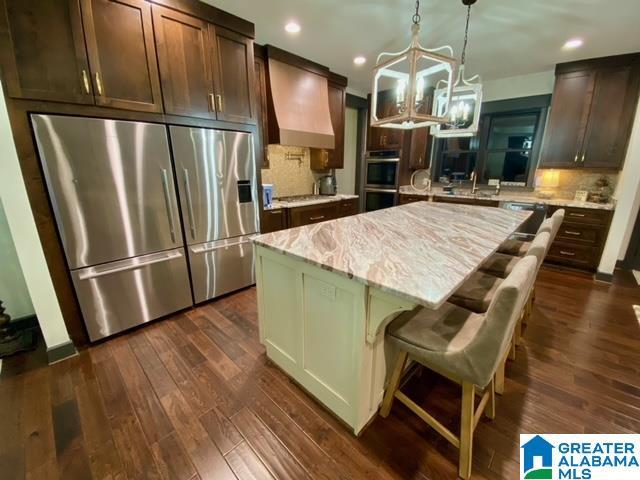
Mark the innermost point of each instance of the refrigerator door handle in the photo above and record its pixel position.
(187, 189)
(167, 204)
(209, 248)
(101, 271)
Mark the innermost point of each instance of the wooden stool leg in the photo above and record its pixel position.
(466, 430)
(512, 350)
(518, 331)
(394, 381)
(490, 410)
(499, 377)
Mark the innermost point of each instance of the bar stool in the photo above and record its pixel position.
(518, 248)
(463, 346)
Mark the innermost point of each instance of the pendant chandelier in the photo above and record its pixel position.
(404, 82)
(463, 103)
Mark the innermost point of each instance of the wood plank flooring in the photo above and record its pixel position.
(194, 397)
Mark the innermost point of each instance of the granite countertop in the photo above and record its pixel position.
(420, 251)
(291, 202)
(507, 196)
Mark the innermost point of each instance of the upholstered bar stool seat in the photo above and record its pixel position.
(464, 346)
(476, 292)
(519, 248)
(501, 265)
(512, 246)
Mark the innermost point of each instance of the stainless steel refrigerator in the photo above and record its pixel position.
(216, 176)
(113, 195)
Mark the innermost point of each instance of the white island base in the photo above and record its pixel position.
(326, 332)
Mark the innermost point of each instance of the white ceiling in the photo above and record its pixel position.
(507, 37)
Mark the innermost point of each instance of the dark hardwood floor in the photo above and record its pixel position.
(193, 397)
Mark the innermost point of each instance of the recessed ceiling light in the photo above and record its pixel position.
(292, 27)
(359, 60)
(573, 43)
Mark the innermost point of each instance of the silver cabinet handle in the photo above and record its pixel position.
(187, 189)
(209, 248)
(575, 159)
(219, 103)
(570, 254)
(99, 83)
(101, 271)
(576, 214)
(317, 218)
(571, 232)
(212, 102)
(582, 159)
(167, 203)
(85, 81)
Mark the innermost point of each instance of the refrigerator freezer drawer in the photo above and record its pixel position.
(221, 267)
(119, 295)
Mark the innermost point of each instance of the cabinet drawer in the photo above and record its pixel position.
(347, 207)
(578, 256)
(404, 199)
(575, 232)
(313, 214)
(273, 220)
(585, 215)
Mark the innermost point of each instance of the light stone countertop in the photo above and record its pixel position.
(508, 196)
(276, 204)
(420, 251)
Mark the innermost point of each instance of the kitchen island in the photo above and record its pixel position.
(327, 291)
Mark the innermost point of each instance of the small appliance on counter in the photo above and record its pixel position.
(327, 185)
(267, 195)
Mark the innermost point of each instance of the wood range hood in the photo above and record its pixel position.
(297, 101)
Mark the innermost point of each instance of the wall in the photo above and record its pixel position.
(346, 177)
(519, 86)
(290, 176)
(628, 200)
(13, 289)
(25, 236)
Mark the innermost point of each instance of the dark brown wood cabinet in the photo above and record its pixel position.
(233, 76)
(405, 198)
(420, 149)
(580, 239)
(44, 56)
(273, 220)
(592, 113)
(185, 64)
(260, 89)
(325, 159)
(483, 202)
(379, 138)
(122, 54)
(348, 207)
(310, 214)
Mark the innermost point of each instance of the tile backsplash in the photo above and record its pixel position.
(572, 180)
(288, 175)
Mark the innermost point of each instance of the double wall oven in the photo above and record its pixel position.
(381, 179)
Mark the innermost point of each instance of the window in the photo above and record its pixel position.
(506, 147)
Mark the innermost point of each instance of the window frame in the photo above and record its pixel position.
(537, 104)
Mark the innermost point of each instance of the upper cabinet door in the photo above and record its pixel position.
(611, 117)
(337, 100)
(568, 119)
(122, 54)
(43, 52)
(185, 68)
(233, 75)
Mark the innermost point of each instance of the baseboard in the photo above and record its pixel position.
(604, 277)
(61, 352)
